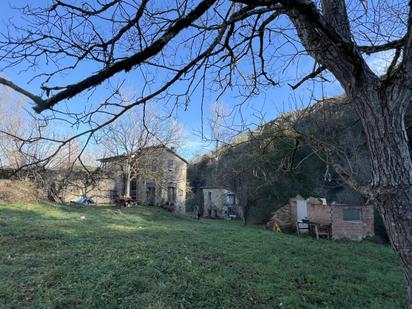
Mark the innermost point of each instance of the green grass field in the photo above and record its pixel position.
(70, 257)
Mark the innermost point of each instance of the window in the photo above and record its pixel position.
(209, 196)
(352, 214)
(170, 165)
(230, 199)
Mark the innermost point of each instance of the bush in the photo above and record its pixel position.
(13, 191)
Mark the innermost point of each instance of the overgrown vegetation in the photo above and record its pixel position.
(14, 191)
(277, 161)
(65, 256)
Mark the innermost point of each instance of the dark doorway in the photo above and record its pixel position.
(151, 194)
(171, 194)
(133, 189)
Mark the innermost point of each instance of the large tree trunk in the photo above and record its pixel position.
(380, 103)
(396, 214)
(245, 213)
(382, 114)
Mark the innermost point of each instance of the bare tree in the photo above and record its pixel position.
(134, 140)
(24, 138)
(219, 118)
(14, 151)
(241, 44)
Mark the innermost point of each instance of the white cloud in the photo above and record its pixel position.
(380, 62)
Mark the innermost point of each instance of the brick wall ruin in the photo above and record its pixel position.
(320, 213)
(354, 230)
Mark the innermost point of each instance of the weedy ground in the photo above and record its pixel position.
(56, 256)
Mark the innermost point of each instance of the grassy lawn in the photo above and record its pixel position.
(66, 257)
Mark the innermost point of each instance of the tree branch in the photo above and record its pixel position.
(83, 10)
(325, 42)
(336, 15)
(309, 76)
(38, 100)
(383, 47)
(128, 63)
(351, 181)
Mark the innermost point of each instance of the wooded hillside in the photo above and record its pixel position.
(289, 156)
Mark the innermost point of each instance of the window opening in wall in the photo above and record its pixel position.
(352, 214)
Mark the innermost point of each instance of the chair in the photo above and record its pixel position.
(302, 227)
(323, 230)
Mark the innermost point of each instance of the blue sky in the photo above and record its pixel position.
(268, 104)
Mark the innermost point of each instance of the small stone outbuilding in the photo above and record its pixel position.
(219, 202)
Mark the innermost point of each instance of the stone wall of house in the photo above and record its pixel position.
(175, 177)
(165, 176)
(352, 230)
(214, 199)
(215, 202)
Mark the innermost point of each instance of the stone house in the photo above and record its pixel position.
(219, 202)
(354, 222)
(159, 179)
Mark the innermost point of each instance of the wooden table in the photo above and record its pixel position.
(318, 230)
(315, 229)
